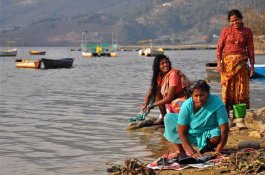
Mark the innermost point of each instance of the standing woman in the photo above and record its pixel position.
(235, 48)
(167, 89)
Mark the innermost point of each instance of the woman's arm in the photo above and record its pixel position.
(250, 49)
(169, 98)
(219, 50)
(147, 99)
(182, 131)
(224, 128)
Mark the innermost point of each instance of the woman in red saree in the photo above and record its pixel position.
(234, 49)
(167, 90)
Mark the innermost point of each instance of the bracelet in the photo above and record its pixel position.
(151, 106)
(194, 152)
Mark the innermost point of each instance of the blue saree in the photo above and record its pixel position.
(202, 125)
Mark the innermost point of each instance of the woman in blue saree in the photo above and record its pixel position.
(202, 122)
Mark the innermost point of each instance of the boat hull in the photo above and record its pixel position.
(87, 54)
(153, 52)
(35, 52)
(59, 63)
(35, 64)
(9, 53)
(213, 74)
(259, 71)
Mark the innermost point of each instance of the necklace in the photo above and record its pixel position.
(236, 41)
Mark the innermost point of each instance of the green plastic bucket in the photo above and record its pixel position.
(239, 110)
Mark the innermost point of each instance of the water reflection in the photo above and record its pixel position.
(72, 121)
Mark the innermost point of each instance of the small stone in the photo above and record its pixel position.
(238, 120)
(261, 111)
(248, 144)
(254, 134)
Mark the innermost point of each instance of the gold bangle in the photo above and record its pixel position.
(194, 152)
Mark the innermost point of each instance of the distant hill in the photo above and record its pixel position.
(61, 22)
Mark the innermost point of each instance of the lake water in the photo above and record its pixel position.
(73, 121)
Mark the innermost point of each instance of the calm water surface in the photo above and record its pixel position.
(73, 121)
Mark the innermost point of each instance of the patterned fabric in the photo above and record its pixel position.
(177, 78)
(236, 41)
(235, 80)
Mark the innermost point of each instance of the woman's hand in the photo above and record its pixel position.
(195, 154)
(219, 67)
(143, 107)
(251, 71)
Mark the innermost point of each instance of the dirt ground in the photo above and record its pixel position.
(235, 162)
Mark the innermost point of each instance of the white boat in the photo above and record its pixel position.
(153, 52)
(141, 52)
(87, 54)
(8, 53)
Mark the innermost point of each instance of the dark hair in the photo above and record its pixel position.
(235, 12)
(156, 70)
(200, 84)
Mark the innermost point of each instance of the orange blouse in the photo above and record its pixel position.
(236, 41)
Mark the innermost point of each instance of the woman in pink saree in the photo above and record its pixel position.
(167, 90)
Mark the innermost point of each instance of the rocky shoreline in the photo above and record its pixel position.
(250, 136)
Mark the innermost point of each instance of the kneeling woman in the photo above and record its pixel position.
(202, 122)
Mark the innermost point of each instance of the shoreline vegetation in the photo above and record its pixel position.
(251, 137)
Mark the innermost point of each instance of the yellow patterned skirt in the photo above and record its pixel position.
(235, 80)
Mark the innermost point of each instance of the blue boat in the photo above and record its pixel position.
(259, 70)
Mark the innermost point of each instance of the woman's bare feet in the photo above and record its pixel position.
(160, 120)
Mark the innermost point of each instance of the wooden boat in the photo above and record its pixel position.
(8, 53)
(75, 49)
(23, 63)
(36, 52)
(212, 73)
(58, 63)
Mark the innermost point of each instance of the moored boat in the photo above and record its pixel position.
(36, 52)
(141, 52)
(57, 63)
(24, 63)
(8, 53)
(259, 70)
(87, 54)
(150, 52)
(153, 52)
(213, 74)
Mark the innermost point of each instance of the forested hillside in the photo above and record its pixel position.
(60, 23)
